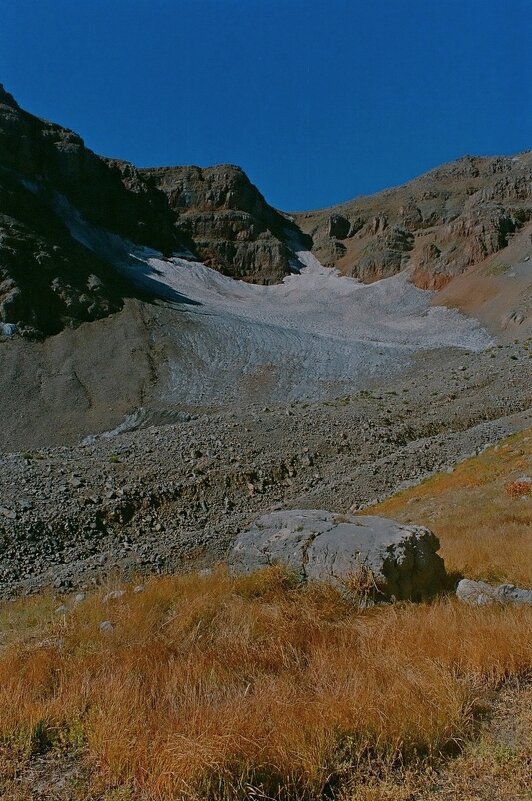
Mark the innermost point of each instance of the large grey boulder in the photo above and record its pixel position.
(401, 560)
(478, 593)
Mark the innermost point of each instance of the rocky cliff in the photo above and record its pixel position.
(233, 229)
(49, 281)
(439, 225)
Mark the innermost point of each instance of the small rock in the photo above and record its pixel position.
(61, 610)
(9, 513)
(106, 626)
(79, 598)
(113, 596)
(8, 329)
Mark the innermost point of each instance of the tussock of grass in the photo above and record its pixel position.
(484, 529)
(210, 686)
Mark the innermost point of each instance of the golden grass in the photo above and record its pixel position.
(209, 687)
(495, 766)
(480, 512)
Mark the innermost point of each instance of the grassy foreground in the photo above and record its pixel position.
(209, 687)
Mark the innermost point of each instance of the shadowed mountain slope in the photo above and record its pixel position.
(49, 281)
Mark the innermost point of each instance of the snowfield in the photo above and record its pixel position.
(315, 335)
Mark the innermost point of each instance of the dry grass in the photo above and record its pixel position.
(480, 512)
(495, 766)
(216, 688)
(209, 687)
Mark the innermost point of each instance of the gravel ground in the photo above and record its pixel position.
(174, 496)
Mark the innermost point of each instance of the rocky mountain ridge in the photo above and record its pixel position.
(49, 281)
(439, 225)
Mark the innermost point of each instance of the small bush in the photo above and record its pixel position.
(519, 489)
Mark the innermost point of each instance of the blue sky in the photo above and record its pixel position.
(317, 101)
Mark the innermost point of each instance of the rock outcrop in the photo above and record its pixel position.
(233, 229)
(438, 225)
(479, 593)
(400, 561)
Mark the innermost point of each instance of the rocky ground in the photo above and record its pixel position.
(175, 496)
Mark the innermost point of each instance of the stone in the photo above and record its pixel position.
(113, 596)
(106, 626)
(9, 513)
(79, 598)
(323, 546)
(479, 593)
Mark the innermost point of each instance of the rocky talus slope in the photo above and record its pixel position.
(439, 225)
(175, 496)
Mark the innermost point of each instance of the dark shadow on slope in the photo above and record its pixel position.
(51, 279)
(150, 288)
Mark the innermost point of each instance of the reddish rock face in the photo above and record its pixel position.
(439, 225)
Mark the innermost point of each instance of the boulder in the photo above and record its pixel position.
(479, 593)
(400, 561)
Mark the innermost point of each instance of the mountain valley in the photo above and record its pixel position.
(178, 356)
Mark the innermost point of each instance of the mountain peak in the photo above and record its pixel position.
(7, 99)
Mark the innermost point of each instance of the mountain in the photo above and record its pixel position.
(119, 308)
(50, 280)
(439, 225)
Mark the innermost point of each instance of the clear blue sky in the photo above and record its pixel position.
(318, 101)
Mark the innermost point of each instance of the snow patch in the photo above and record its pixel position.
(317, 333)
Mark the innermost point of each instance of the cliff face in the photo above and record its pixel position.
(233, 229)
(440, 224)
(49, 281)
